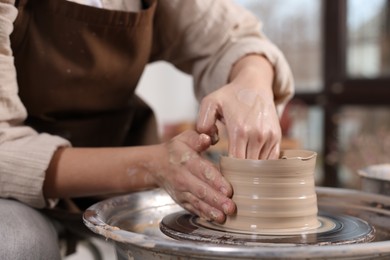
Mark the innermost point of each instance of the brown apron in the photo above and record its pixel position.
(78, 66)
(77, 69)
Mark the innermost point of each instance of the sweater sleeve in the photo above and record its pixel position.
(205, 38)
(24, 154)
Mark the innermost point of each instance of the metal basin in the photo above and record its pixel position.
(132, 222)
(376, 179)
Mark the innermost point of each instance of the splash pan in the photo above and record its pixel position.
(133, 223)
(334, 229)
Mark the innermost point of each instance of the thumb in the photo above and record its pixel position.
(206, 122)
(197, 142)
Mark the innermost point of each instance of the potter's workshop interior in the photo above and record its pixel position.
(172, 129)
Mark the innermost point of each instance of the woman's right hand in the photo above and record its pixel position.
(177, 166)
(191, 180)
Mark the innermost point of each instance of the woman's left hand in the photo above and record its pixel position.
(246, 106)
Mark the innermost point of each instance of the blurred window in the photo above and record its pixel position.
(295, 27)
(364, 135)
(368, 39)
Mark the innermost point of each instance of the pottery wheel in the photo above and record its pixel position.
(341, 229)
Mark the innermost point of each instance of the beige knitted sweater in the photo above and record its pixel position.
(232, 33)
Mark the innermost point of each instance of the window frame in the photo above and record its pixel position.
(339, 90)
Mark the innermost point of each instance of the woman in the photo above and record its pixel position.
(68, 112)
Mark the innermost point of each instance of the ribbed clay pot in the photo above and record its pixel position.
(273, 196)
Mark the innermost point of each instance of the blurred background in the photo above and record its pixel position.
(339, 51)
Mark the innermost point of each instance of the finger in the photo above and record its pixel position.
(275, 152)
(208, 173)
(207, 118)
(213, 133)
(190, 207)
(265, 151)
(255, 147)
(270, 150)
(238, 142)
(197, 142)
(206, 194)
(203, 209)
(194, 211)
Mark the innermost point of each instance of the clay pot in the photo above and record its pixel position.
(273, 196)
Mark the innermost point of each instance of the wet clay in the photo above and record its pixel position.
(273, 196)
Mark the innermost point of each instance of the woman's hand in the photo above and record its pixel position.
(247, 109)
(177, 166)
(191, 180)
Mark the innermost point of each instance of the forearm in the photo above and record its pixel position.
(253, 73)
(177, 166)
(76, 172)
